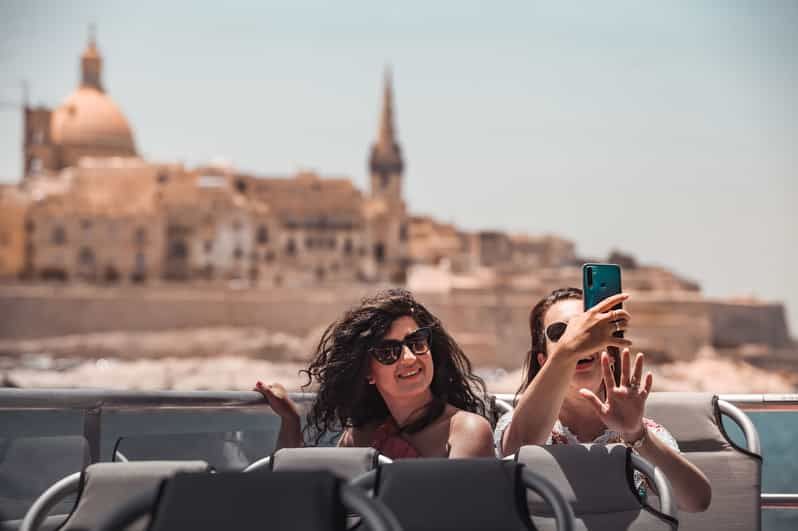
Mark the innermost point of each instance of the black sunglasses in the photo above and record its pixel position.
(389, 351)
(555, 331)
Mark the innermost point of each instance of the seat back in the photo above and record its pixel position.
(597, 481)
(734, 473)
(451, 494)
(29, 465)
(258, 500)
(346, 463)
(106, 485)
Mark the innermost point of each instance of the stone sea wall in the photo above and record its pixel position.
(492, 327)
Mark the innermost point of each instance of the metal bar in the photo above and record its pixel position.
(763, 402)
(779, 501)
(92, 420)
(114, 399)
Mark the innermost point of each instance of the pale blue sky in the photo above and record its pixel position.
(667, 129)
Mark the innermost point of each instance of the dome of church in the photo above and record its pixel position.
(89, 118)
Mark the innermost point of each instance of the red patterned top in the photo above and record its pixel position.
(389, 442)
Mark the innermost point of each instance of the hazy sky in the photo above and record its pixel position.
(666, 129)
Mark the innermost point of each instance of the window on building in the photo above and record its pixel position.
(162, 177)
(140, 236)
(379, 252)
(58, 236)
(30, 226)
(348, 246)
(241, 186)
(290, 247)
(403, 232)
(86, 257)
(238, 253)
(309, 242)
(263, 235)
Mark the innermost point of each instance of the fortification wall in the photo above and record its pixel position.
(492, 327)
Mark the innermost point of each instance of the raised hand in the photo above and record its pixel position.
(278, 400)
(592, 331)
(622, 411)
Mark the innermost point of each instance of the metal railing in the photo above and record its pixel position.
(93, 402)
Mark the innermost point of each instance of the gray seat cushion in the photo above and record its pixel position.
(597, 481)
(346, 463)
(106, 486)
(735, 474)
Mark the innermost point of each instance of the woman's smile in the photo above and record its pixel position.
(410, 373)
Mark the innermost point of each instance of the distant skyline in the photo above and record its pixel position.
(665, 129)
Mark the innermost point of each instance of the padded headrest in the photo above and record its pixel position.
(452, 494)
(346, 463)
(691, 418)
(257, 500)
(108, 485)
(593, 478)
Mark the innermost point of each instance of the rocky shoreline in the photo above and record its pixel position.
(227, 358)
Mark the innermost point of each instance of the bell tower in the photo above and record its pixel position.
(388, 218)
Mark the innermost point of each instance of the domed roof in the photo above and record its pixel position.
(90, 118)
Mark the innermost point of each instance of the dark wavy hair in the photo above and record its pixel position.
(538, 333)
(340, 365)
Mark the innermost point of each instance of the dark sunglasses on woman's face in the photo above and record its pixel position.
(555, 331)
(389, 351)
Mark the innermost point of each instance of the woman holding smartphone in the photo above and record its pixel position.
(391, 377)
(575, 392)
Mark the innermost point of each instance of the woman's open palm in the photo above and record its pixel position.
(622, 411)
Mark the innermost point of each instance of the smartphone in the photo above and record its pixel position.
(600, 281)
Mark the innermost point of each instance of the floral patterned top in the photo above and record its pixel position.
(560, 434)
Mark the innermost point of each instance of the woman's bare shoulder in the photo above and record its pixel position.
(470, 435)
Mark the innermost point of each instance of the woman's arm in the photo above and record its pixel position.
(539, 405)
(290, 435)
(690, 486)
(470, 436)
(623, 413)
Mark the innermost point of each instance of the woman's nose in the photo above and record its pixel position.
(407, 354)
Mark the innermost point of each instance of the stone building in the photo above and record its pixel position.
(100, 213)
(13, 205)
(87, 124)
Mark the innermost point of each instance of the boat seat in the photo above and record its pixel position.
(29, 465)
(462, 494)
(103, 486)
(598, 483)
(280, 500)
(346, 463)
(735, 473)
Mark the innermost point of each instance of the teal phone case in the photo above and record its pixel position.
(600, 281)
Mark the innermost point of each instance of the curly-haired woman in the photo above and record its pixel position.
(391, 377)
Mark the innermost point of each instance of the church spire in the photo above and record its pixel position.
(386, 157)
(91, 63)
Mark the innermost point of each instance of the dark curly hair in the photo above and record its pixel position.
(538, 333)
(340, 365)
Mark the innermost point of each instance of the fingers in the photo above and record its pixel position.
(608, 303)
(637, 371)
(593, 400)
(606, 374)
(625, 367)
(613, 316)
(647, 387)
